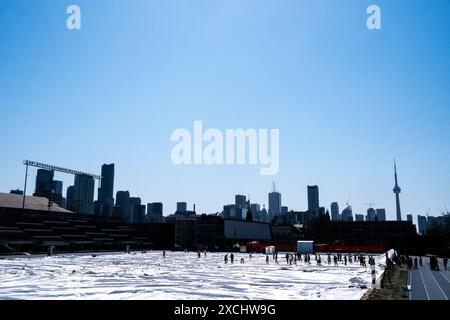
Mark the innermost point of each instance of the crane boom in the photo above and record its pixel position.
(60, 169)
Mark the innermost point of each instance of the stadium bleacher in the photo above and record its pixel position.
(34, 231)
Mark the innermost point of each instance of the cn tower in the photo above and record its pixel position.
(397, 191)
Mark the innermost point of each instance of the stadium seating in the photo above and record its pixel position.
(34, 231)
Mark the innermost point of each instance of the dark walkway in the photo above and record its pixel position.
(427, 284)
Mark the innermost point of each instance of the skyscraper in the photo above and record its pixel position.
(334, 211)
(84, 194)
(122, 207)
(347, 214)
(240, 201)
(313, 200)
(70, 199)
(57, 192)
(106, 190)
(122, 198)
(422, 224)
(274, 202)
(409, 218)
(397, 191)
(181, 207)
(381, 214)
(155, 212)
(371, 214)
(44, 181)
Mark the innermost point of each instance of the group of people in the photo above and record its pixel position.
(414, 263)
(294, 258)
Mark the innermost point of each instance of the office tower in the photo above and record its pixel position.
(155, 212)
(122, 198)
(347, 214)
(431, 221)
(334, 211)
(255, 207)
(313, 200)
(409, 218)
(284, 210)
(106, 190)
(359, 217)
(123, 207)
(44, 181)
(84, 194)
(135, 201)
(274, 202)
(139, 213)
(371, 214)
(397, 191)
(57, 192)
(135, 207)
(240, 201)
(232, 212)
(181, 207)
(422, 224)
(70, 198)
(381, 214)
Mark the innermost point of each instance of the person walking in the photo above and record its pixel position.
(345, 259)
(232, 258)
(445, 263)
(164, 253)
(267, 259)
(329, 259)
(415, 263)
(420, 260)
(225, 259)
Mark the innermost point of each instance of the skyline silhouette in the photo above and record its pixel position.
(345, 98)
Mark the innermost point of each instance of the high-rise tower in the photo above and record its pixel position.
(397, 191)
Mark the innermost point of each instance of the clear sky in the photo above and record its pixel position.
(346, 99)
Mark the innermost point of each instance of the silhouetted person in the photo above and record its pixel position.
(287, 258)
(445, 263)
(164, 254)
(242, 261)
(415, 263)
(198, 254)
(267, 259)
(345, 260)
(225, 259)
(232, 258)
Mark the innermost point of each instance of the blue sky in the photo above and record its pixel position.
(346, 99)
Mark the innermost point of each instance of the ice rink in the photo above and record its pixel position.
(179, 276)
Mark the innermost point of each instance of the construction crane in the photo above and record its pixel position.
(370, 204)
(28, 163)
(348, 200)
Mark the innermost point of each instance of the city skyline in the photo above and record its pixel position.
(346, 99)
(107, 197)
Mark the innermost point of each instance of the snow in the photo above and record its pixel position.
(142, 276)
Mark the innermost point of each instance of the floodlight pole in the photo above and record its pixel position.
(25, 186)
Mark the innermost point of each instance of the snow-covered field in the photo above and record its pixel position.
(178, 276)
